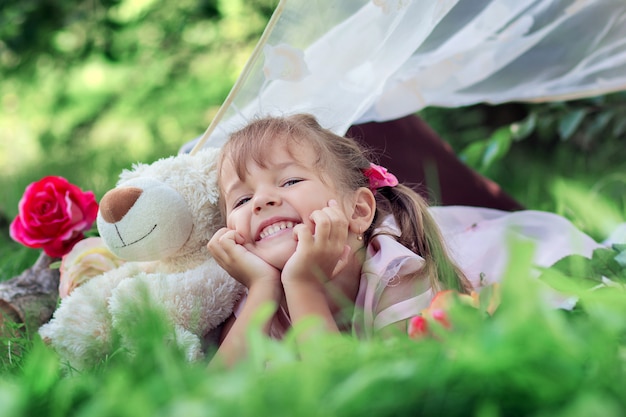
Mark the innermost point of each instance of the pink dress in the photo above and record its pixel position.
(478, 241)
(385, 261)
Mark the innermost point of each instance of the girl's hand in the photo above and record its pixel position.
(321, 253)
(227, 248)
(262, 281)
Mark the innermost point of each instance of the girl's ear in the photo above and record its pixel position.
(364, 210)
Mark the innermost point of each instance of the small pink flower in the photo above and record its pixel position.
(440, 316)
(441, 303)
(418, 327)
(53, 214)
(88, 258)
(436, 311)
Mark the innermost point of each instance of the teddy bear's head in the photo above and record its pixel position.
(165, 211)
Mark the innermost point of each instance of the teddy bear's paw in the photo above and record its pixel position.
(80, 330)
(141, 318)
(189, 344)
(80, 347)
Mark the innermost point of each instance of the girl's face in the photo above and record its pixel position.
(266, 205)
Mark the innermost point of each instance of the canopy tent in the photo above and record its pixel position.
(354, 61)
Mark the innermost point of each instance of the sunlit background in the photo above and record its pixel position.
(88, 88)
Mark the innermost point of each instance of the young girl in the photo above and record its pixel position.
(316, 229)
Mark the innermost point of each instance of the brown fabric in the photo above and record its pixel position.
(412, 151)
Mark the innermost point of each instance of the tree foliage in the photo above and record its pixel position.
(90, 87)
(546, 154)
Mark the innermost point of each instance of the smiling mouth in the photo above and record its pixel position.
(275, 228)
(124, 244)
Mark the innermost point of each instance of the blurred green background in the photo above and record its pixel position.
(90, 87)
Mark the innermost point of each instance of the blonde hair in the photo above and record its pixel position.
(342, 161)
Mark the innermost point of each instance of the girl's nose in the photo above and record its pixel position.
(265, 199)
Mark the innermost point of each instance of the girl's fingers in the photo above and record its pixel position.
(239, 239)
(214, 244)
(330, 222)
(226, 244)
(343, 260)
(218, 235)
(327, 243)
(302, 234)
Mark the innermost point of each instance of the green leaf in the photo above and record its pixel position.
(523, 129)
(497, 146)
(619, 126)
(588, 271)
(579, 268)
(600, 122)
(620, 258)
(55, 265)
(472, 155)
(483, 153)
(570, 122)
(604, 263)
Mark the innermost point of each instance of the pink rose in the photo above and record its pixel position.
(53, 214)
(88, 258)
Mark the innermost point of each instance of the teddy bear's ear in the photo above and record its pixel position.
(208, 158)
(206, 162)
(159, 169)
(136, 171)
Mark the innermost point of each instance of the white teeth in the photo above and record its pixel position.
(275, 228)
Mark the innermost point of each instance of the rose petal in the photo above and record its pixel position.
(59, 247)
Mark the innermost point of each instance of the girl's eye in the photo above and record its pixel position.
(241, 201)
(291, 182)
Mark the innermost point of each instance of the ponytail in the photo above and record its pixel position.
(420, 233)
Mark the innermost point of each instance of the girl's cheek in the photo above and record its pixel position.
(231, 222)
(240, 226)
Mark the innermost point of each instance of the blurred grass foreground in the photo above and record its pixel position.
(88, 88)
(527, 359)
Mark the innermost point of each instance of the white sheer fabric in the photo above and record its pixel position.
(349, 61)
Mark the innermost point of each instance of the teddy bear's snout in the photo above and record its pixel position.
(117, 202)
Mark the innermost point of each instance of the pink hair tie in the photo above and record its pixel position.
(379, 177)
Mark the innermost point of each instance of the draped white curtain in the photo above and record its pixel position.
(351, 61)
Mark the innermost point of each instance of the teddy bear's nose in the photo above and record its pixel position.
(117, 202)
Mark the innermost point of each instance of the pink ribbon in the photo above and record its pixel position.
(379, 177)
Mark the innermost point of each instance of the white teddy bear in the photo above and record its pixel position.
(159, 218)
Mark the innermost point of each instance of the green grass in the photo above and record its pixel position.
(525, 360)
